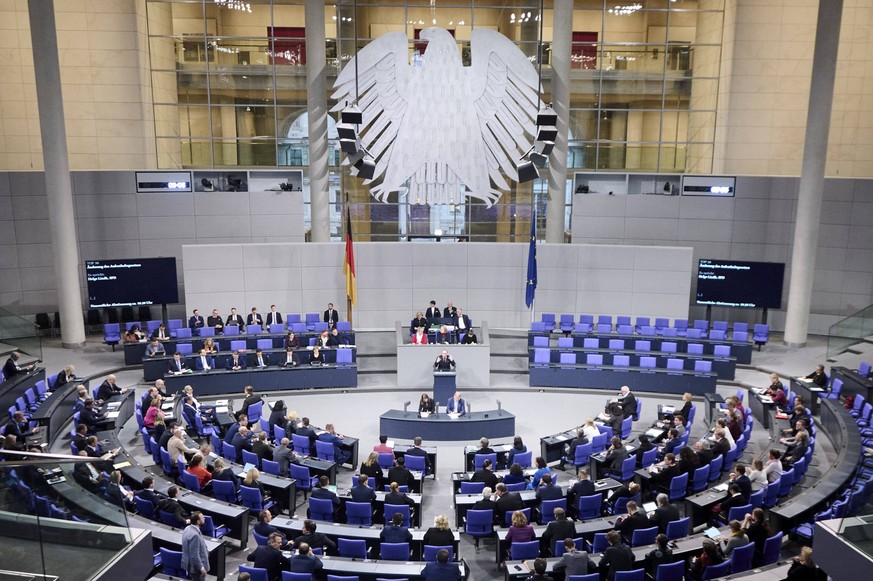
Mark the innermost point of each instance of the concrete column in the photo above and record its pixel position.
(59, 189)
(815, 149)
(562, 40)
(316, 107)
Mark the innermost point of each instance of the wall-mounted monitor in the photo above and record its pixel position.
(149, 182)
(131, 282)
(717, 186)
(735, 283)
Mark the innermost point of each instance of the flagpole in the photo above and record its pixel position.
(533, 217)
(348, 222)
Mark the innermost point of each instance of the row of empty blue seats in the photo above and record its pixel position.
(595, 343)
(643, 326)
(543, 356)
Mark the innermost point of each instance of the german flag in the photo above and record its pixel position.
(349, 265)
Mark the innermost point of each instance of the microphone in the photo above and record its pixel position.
(406, 406)
(499, 406)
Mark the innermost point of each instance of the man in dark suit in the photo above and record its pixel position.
(441, 569)
(627, 401)
(261, 360)
(148, 491)
(735, 499)
(329, 435)
(236, 362)
(664, 514)
(11, 368)
(241, 441)
(433, 311)
(739, 477)
(172, 506)
(400, 474)
(18, 427)
(559, 529)
(262, 448)
(204, 361)
(305, 430)
(671, 443)
(195, 322)
(579, 440)
(178, 364)
(330, 316)
(362, 492)
(309, 535)
(91, 417)
(214, 320)
(305, 561)
(251, 399)
(321, 490)
(270, 557)
(582, 487)
(548, 490)
(234, 319)
(461, 322)
(616, 557)
(485, 503)
(615, 456)
(108, 388)
(255, 318)
(444, 362)
(450, 311)
(274, 317)
(417, 450)
(506, 502)
(486, 475)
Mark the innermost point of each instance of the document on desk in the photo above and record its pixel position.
(454, 415)
(111, 415)
(222, 409)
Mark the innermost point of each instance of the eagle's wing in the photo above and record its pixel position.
(506, 96)
(383, 76)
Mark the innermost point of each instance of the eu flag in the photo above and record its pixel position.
(531, 282)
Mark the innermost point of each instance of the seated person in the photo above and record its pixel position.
(444, 335)
(457, 405)
(214, 320)
(334, 340)
(818, 377)
(236, 362)
(262, 361)
(341, 454)
(290, 359)
(155, 349)
(425, 404)
(178, 364)
(419, 322)
(470, 338)
(419, 337)
(316, 357)
(204, 361)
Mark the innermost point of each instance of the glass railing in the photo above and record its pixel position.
(21, 334)
(53, 526)
(849, 331)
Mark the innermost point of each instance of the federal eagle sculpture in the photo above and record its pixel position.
(438, 128)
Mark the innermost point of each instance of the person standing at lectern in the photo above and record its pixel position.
(457, 405)
(444, 362)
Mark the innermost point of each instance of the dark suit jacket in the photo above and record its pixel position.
(195, 322)
(305, 564)
(274, 320)
(557, 531)
(628, 404)
(486, 476)
(509, 501)
(632, 522)
(550, 492)
(363, 494)
(249, 401)
(450, 313)
(214, 322)
(242, 362)
(745, 485)
(721, 447)
(402, 476)
(330, 316)
(231, 320)
(198, 362)
(106, 390)
(398, 498)
(271, 559)
(149, 495)
(435, 571)
(171, 366)
(433, 313)
(9, 369)
(467, 324)
(266, 359)
(319, 492)
(617, 558)
(580, 488)
(172, 506)
(664, 515)
(254, 319)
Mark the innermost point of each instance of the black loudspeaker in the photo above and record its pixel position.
(547, 117)
(366, 167)
(352, 114)
(527, 171)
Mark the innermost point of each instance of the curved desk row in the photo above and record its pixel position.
(134, 352)
(155, 367)
(637, 378)
(222, 382)
(723, 367)
(440, 427)
(839, 425)
(742, 350)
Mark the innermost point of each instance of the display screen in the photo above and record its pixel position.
(131, 282)
(734, 283)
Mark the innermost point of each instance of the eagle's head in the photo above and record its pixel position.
(440, 45)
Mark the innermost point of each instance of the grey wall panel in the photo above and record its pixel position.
(374, 277)
(608, 303)
(206, 257)
(32, 232)
(607, 227)
(839, 212)
(693, 230)
(151, 227)
(648, 229)
(9, 255)
(673, 259)
(104, 182)
(700, 207)
(833, 235)
(35, 279)
(839, 190)
(654, 207)
(221, 203)
(741, 251)
(603, 280)
(27, 183)
(105, 206)
(10, 280)
(270, 255)
(165, 205)
(270, 279)
(102, 249)
(224, 226)
(167, 247)
(29, 207)
(751, 209)
(116, 228)
(7, 232)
